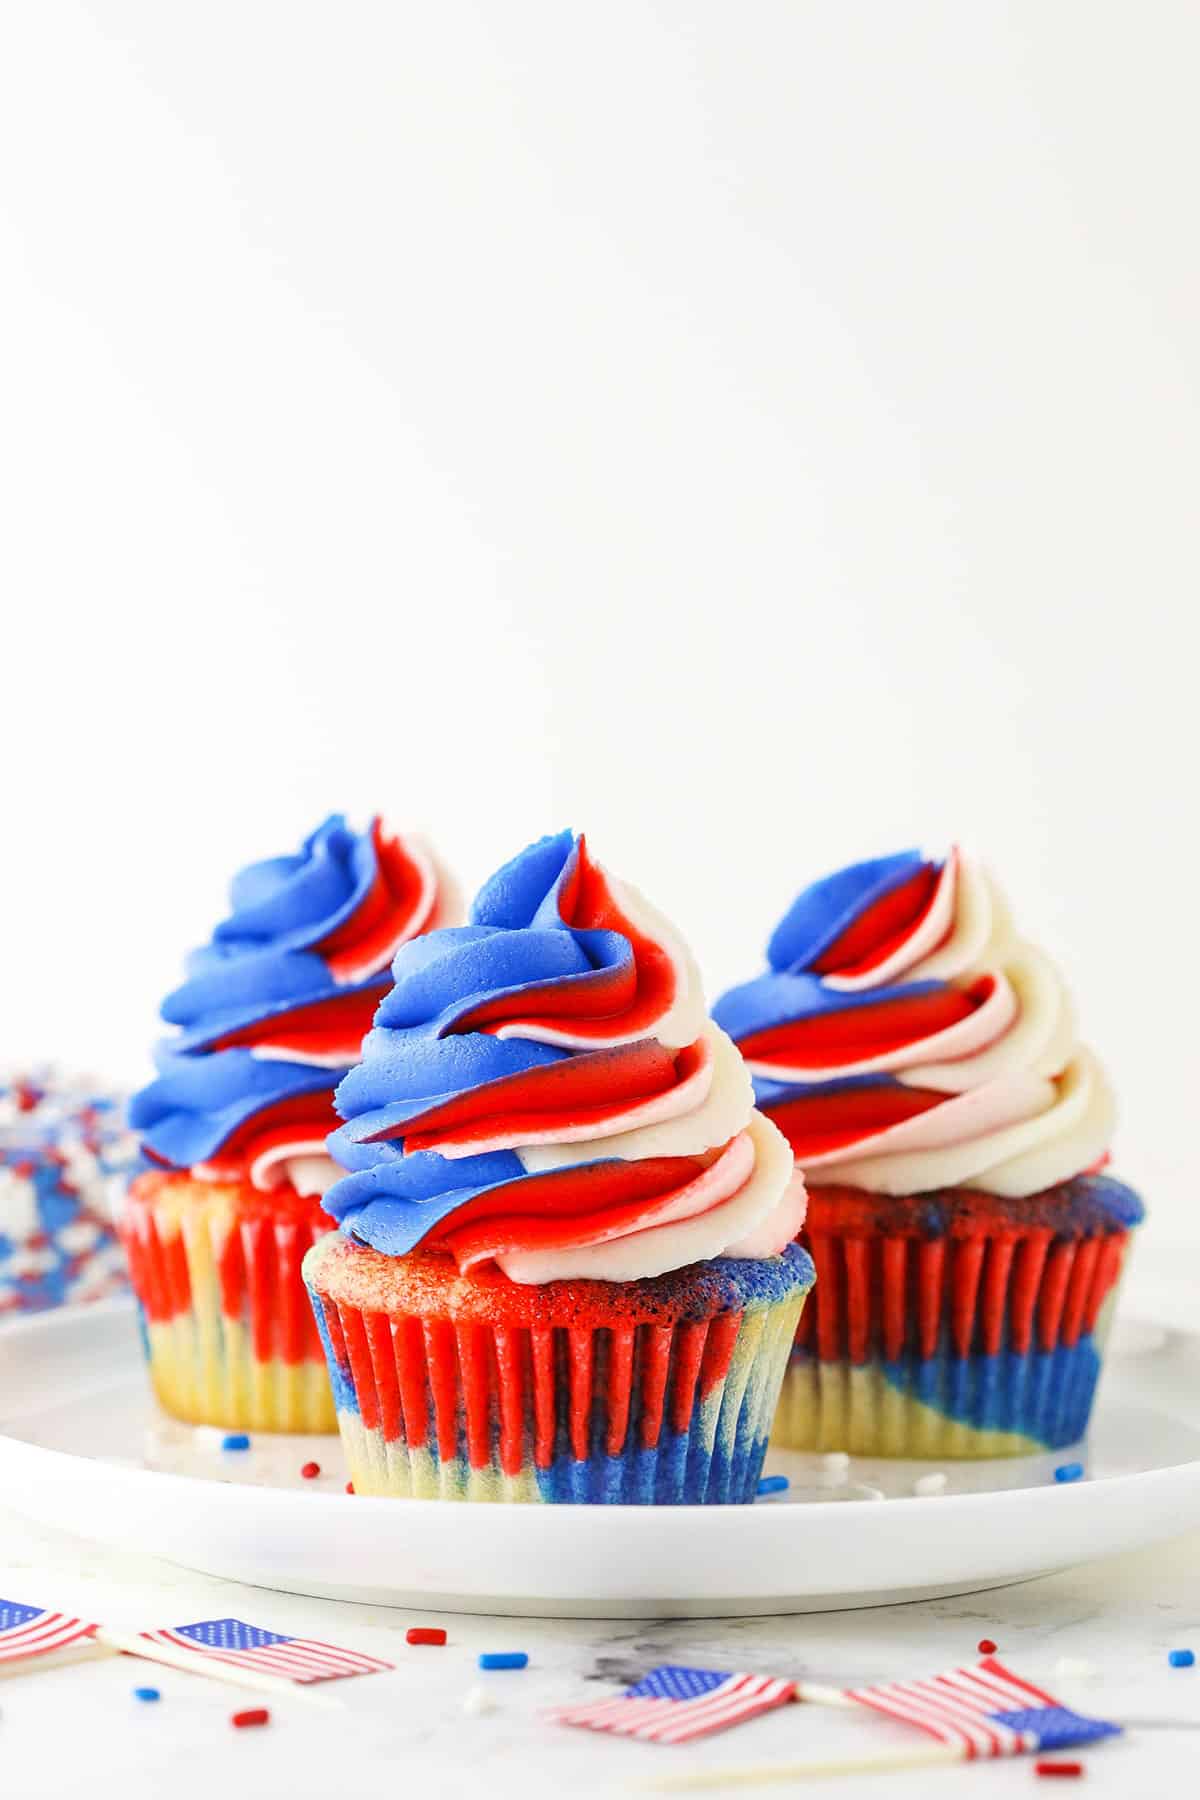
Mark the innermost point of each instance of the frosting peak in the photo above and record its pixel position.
(905, 1038)
(544, 1089)
(274, 1008)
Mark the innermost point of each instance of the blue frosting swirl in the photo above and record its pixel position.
(270, 978)
(518, 956)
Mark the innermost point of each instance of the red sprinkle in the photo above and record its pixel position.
(254, 1715)
(986, 1647)
(349, 1487)
(310, 1471)
(424, 1634)
(1049, 1768)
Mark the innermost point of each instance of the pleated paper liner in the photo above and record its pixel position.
(227, 1328)
(475, 1388)
(955, 1324)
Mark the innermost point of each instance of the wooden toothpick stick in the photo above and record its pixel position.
(762, 1774)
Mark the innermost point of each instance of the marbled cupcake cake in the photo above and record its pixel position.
(565, 1270)
(924, 1063)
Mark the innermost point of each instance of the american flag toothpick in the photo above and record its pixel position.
(973, 1713)
(673, 1705)
(270, 1662)
(33, 1638)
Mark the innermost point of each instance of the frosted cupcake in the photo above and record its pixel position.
(924, 1064)
(565, 1270)
(271, 1017)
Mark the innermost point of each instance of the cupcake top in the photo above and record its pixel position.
(275, 1006)
(905, 1038)
(543, 1089)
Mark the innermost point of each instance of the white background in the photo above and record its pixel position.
(761, 435)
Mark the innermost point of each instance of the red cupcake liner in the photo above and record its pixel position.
(227, 1327)
(453, 1401)
(989, 1313)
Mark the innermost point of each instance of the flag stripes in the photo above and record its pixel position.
(983, 1711)
(31, 1631)
(658, 1720)
(296, 1659)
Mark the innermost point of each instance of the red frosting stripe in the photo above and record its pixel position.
(393, 909)
(815, 1124)
(581, 1204)
(299, 1124)
(587, 1089)
(628, 999)
(879, 932)
(333, 1028)
(862, 1033)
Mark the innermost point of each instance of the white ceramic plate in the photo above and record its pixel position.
(84, 1447)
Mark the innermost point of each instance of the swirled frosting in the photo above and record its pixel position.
(543, 1088)
(274, 1008)
(905, 1038)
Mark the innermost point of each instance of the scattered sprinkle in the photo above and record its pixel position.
(236, 1440)
(1069, 1472)
(930, 1484)
(349, 1487)
(503, 1659)
(208, 1437)
(774, 1484)
(1049, 1768)
(1074, 1665)
(310, 1471)
(253, 1715)
(477, 1700)
(836, 1462)
(146, 1694)
(425, 1634)
(986, 1647)
(1181, 1659)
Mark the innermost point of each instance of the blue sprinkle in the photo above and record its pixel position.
(503, 1659)
(1181, 1659)
(146, 1694)
(236, 1440)
(774, 1484)
(1069, 1472)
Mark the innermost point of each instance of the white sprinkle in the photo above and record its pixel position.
(934, 1483)
(836, 1462)
(478, 1701)
(208, 1437)
(1074, 1665)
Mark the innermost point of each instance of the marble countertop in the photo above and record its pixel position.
(58, 1729)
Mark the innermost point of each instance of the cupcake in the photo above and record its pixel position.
(923, 1062)
(565, 1269)
(233, 1130)
(65, 1150)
